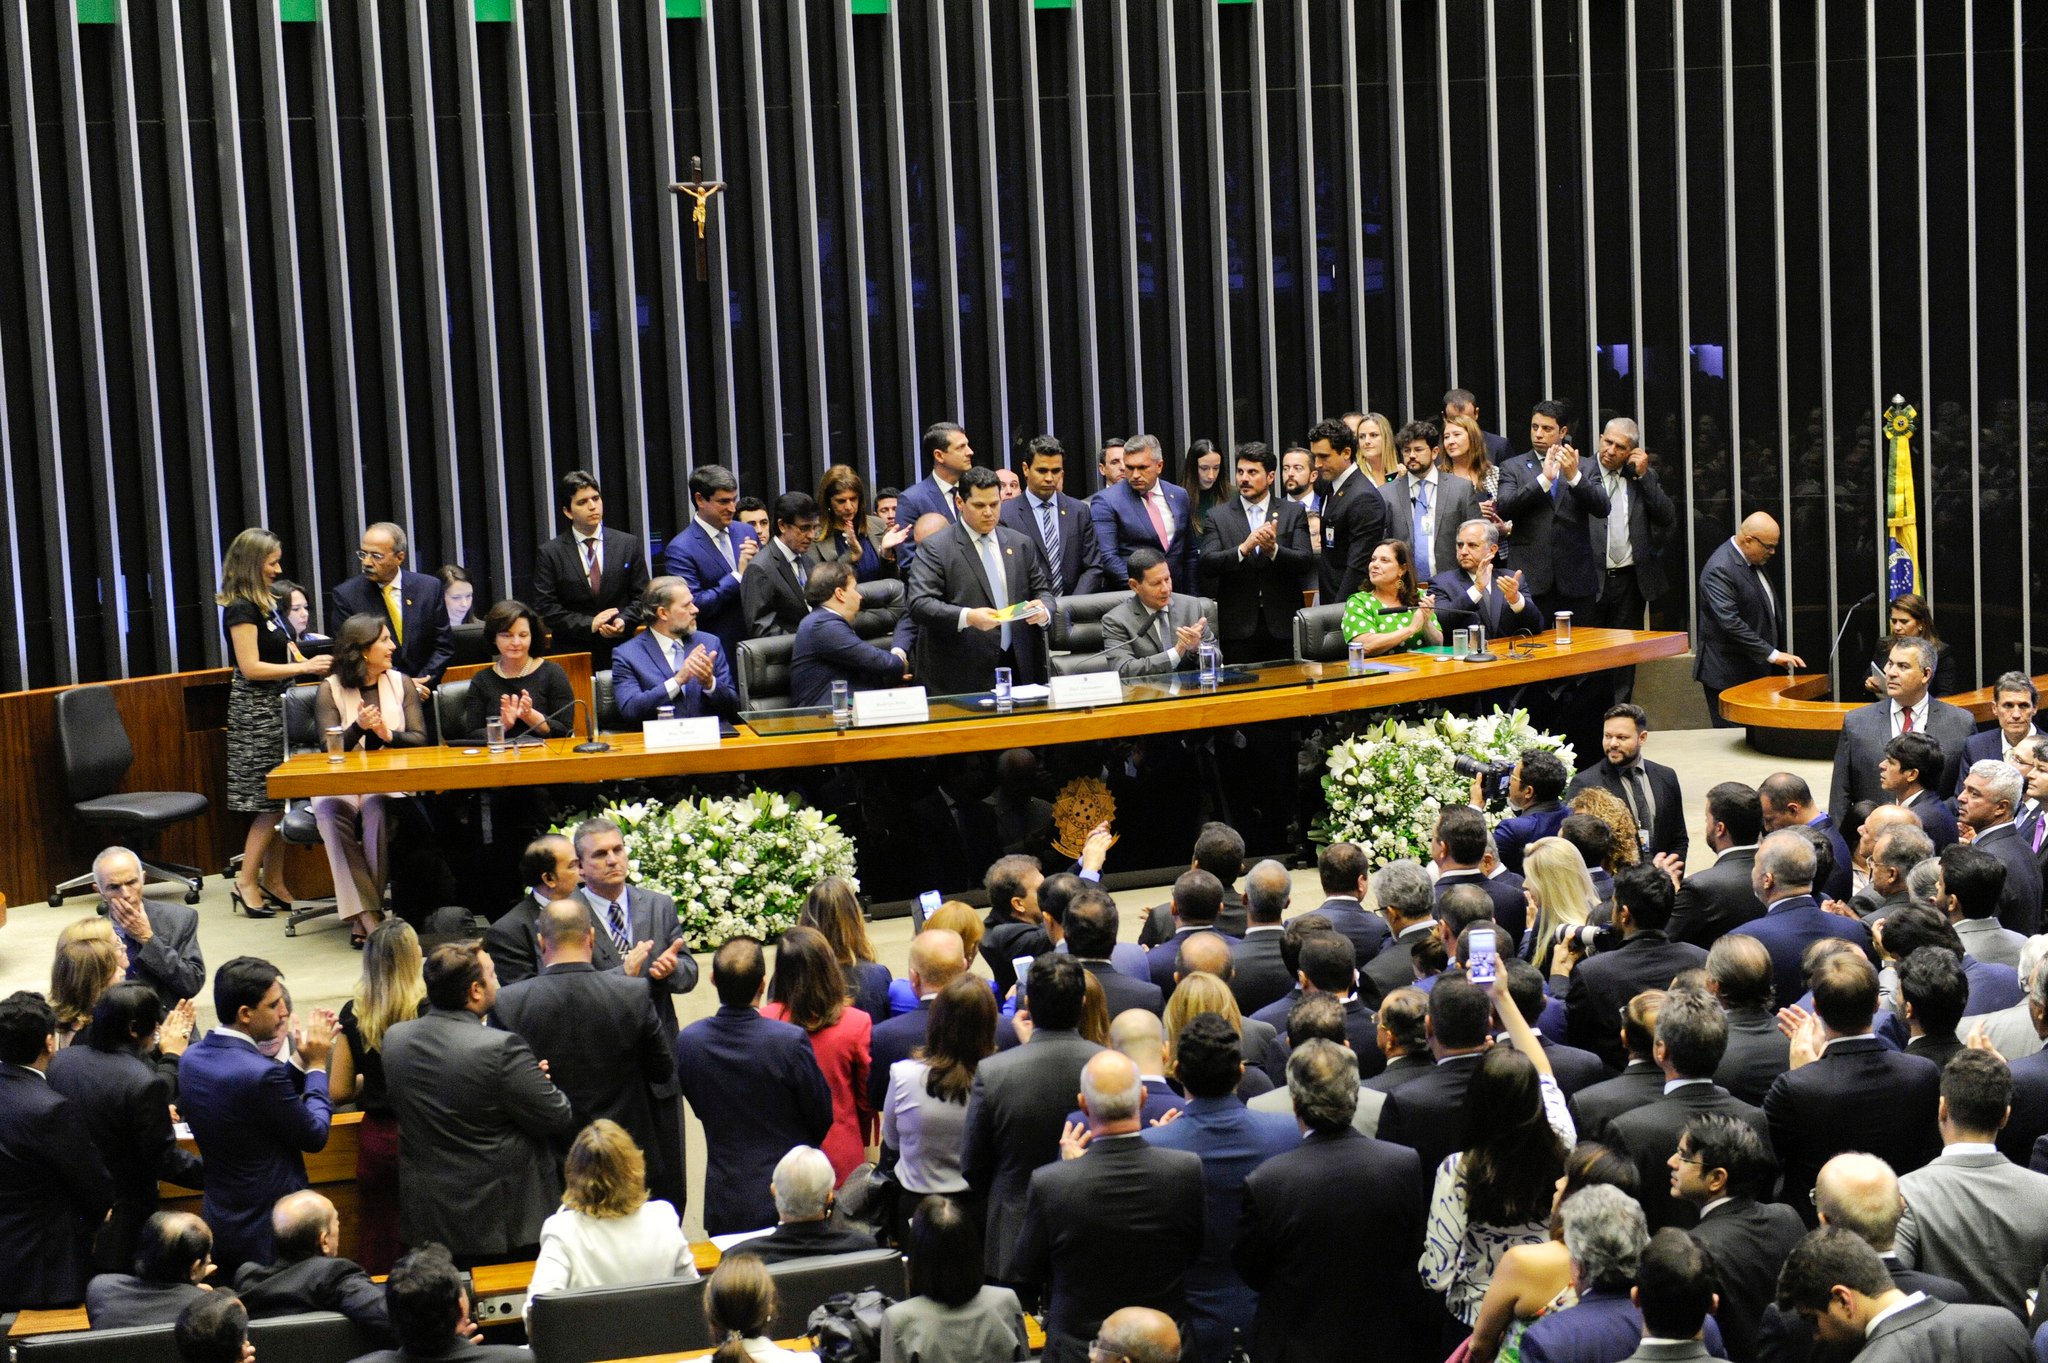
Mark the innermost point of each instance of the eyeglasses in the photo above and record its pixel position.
(370, 556)
(1684, 1158)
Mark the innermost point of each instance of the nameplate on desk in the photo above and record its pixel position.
(897, 705)
(1085, 689)
(669, 735)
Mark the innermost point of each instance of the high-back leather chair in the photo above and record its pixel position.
(594, 1323)
(761, 666)
(94, 751)
(1319, 635)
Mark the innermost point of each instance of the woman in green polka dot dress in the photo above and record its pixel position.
(1390, 614)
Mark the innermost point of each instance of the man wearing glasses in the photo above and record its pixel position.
(410, 601)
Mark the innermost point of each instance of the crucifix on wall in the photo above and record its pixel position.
(701, 190)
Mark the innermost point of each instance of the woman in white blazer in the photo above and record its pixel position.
(607, 1232)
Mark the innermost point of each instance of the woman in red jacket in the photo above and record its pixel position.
(809, 989)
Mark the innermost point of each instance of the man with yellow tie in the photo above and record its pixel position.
(410, 601)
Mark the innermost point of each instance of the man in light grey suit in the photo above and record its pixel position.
(1907, 708)
(1158, 630)
(1967, 891)
(1428, 492)
(1837, 1281)
(1973, 1215)
(476, 1171)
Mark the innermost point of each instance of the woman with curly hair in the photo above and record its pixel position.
(1609, 809)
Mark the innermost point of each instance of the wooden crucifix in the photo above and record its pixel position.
(701, 190)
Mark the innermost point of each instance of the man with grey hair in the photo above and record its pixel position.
(802, 1186)
(1471, 592)
(2014, 704)
(1258, 976)
(1906, 709)
(1626, 539)
(1897, 845)
(1605, 1235)
(1989, 798)
(410, 602)
(1114, 1223)
(1407, 901)
(161, 936)
(1783, 879)
(1302, 1214)
(1146, 511)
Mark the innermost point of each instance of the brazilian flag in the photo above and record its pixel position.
(1901, 510)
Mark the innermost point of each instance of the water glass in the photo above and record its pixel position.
(842, 705)
(1357, 659)
(1004, 704)
(1461, 642)
(1564, 629)
(494, 735)
(1209, 659)
(664, 712)
(335, 734)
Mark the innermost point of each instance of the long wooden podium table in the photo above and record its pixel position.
(1278, 691)
(1791, 715)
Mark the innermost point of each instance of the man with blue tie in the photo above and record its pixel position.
(1060, 525)
(1550, 496)
(946, 445)
(1145, 512)
(671, 662)
(828, 650)
(1425, 504)
(962, 580)
(712, 554)
(410, 601)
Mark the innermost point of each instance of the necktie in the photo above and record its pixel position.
(1049, 531)
(1638, 797)
(1770, 605)
(591, 567)
(615, 913)
(1905, 721)
(1155, 507)
(396, 611)
(1424, 568)
(1255, 513)
(1165, 632)
(1617, 521)
(2040, 831)
(992, 564)
(952, 500)
(1557, 489)
(724, 541)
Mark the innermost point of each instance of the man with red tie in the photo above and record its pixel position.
(587, 581)
(1144, 512)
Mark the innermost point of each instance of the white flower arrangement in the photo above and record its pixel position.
(1385, 785)
(734, 866)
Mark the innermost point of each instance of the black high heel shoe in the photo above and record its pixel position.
(256, 910)
(274, 901)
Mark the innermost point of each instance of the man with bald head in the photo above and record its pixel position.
(1140, 1037)
(308, 1275)
(162, 936)
(1141, 1335)
(937, 958)
(1258, 975)
(1740, 619)
(1116, 1222)
(1212, 953)
(1782, 878)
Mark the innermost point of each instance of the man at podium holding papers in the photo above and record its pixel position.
(981, 598)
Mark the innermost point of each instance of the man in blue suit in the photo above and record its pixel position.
(1740, 623)
(410, 601)
(1534, 786)
(827, 649)
(54, 1187)
(1342, 870)
(712, 554)
(1792, 921)
(1550, 497)
(1145, 511)
(672, 662)
(254, 1118)
(1472, 591)
(2014, 704)
(1062, 527)
(946, 445)
(756, 1087)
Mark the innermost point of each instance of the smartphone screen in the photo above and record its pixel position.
(1022, 965)
(927, 905)
(1481, 962)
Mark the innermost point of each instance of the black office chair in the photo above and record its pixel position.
(93, 746)
(469, 645)
(803, 1285)
(297, 826)
(761, 666)
(609, 720)
(137, 1344)
(594, 1323)
(314, 1337)
(1319, 635)
(1075, 636)
(448, 710)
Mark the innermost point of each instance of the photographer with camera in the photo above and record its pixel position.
(1533, 787)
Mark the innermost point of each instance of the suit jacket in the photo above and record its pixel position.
(1510, 905)
(1986, 941)
(808, 1240)
(1714, 902)
(1649, 510)
(1354, 522)
(562, 594)
(1231, 920)
(1980, 1219)
(122, 1301)
(1757, 1054)
(2019, 903)
(946, 578)
(1130, 639)
(1082, 568)
(1014, 1111)
(828, 649)
(695, 557)
(256, 1120)
(650, 917)
(755, 1085)
(1393, 965)
(1667, 802)
(124, 1104)
(1513, 834)
(640, 677)
(429, 641)
(1857, 1096)
(1749, 1241)
(1740, 624)
(1118, 1227)
(1299, 1235)
(477, 1122)
(1257, 976)
(1455, 608)
(1366, 929)
(1427, 1114)
(514, 943)
(603, 1042)
(1121, 991)
(1649, 1134)
(1551, 547)
(1865, 731)
(2028, 1121)
(170, 962)
(1934, 1330)
(1453, 502)
(1259, 593)
(1603, 984)
(1936, 819)
(1987, 745)
(54, 1189)
(773, 600)
(1573, 1069)
(1842, 878)
(1122, 525)
(1787, 1336)
(316, 1283)
(1789, 927)
(921, 498)
(1639, 1084)
(1603, 1326)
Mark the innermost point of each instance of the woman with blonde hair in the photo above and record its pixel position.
(392, 990)
(1609, 809)
(1560, 891)
(90, 959)
(608, 1232)
(739, 1306)
(1200, 993)
(833, 908)
(1376, 453)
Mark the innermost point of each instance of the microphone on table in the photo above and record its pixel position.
(1868, 599)
(591, 744)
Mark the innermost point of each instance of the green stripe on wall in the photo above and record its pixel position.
(870, 6)
(1052, 4)
(299, 11)
(494, 11)
(99, 11)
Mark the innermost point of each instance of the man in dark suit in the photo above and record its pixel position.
(1786, 801)
(477, 1165)
(410, 602)
(1426, 503)
(1641, 1080)
(1158, 630)
(162, 938)
(1299, 1229)
(1219, 850)
(1574, 1069)
(1720, 899)
(1473, 591)
(173, 1256)
(1328, 966)
(1146, 511)
(1783, 880)
(938, 492)
(1907, 708)
(1625, 540)
(712, 554)
(829, 649)
(587, 580)
(1550, 495)
(1197, 897)
(1739, 978)
(1019, 1101)
(1091, 926)
(960, 581)
(1602, 984)
(1117, 1226)
(755, 1085)
(1354, 517)
(1845, 1089)
(1258, 975)
(1256, 561)
(1719, 1167)
(772, 600)
(1674, 1290)
(255, 1119)
(1344, 872)
(1739, 619)
(1534, 786)
(1063, 527)
(2014, 710)
(548, 867)
(1649, 789)
(804, 1225)
(1407, 902)
(673, 662)
(1462, 402)
(54, 1187)
(1839, 1284)
(309, 1275)
(1990, 794)
(598, 1033)
(1427, 1114)
(124, 1105)
(937, 958)
(430, 1312)
(1459, 849)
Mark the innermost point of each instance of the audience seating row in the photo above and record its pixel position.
(317, 1337)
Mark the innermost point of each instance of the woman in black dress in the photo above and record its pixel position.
(266, 662)
(1911, 618)
(529, 694)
